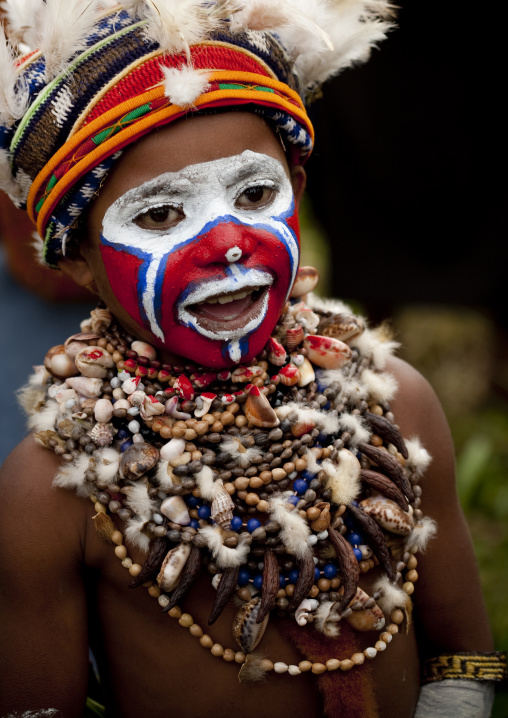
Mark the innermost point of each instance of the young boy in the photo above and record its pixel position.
(238, 442)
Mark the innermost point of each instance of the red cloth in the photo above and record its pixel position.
(347, 694)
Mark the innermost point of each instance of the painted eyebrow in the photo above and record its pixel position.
(154, 189)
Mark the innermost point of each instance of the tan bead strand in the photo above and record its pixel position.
(229, 655)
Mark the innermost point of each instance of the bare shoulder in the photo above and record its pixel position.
(56, 518)
(447, 572)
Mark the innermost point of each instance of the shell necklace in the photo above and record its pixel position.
(285, 479)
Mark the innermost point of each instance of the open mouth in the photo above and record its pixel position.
(228, 312)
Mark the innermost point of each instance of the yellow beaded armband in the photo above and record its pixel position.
(466, 666)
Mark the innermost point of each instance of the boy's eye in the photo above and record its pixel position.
(257, 196)
(159, 217)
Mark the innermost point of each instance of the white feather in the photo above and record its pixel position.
(312, 464)
(37, 245)
(29, 396)
(381, 387)
(376, 345)
(261, 15)
(391, 596)
(294, 530)
(14, 93)
(178, 24)
(64, 27)
(418, 459)
(326, 619)
(72, 476)
(243, 458)
(355, 426)
(184, 85)
(164, 475)
(107, 462)
(422, 533)
(226, 557)
(207, 485)
(138, 501)
(353, 26)
(328, 421)
(45, 419)
(22, 19)
(327, 305)
(134, 534)
(343, 478)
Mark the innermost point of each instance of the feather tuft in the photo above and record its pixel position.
(382, 387)
(419, 458)
(209, 488)
(391, 597)
(327, 421)
(326, 619)
(138, 500)
(164, 475)
(45, 419)
(343, 478)
(241, 455)
(64, 27)
(134, 534)
(294, 530)
(422, 533)
(252, 670)
(178, 24)
(107, 462)
(72, 476)
(376, 344)
(184, 85)
(226, 557)
(14, 93)
(355, 426)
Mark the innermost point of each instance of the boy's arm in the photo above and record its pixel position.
(43, 623)
(450, 614)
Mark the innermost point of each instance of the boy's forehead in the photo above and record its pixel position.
(191, 142)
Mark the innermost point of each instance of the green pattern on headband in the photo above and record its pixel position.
(44, 94)
(235, 86)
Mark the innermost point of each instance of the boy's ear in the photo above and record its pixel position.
(78, 270)
(298, 181)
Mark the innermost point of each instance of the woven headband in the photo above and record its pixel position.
(124, 78)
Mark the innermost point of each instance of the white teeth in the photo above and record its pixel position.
(230, 297)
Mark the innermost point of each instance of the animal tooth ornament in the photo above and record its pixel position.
(103, 76)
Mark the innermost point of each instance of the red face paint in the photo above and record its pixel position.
(212, 287)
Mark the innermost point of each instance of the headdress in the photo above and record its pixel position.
(106, 74)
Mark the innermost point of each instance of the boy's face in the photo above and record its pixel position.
(194, 242)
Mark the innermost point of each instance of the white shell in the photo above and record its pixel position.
(151, 407)
(103, 410)
(307, 373)
(94, 362)
(175, 509)
(172, 566)
(302, 612)
(305, 282)
(137, 398)
(59, 364)
(367, 619)
(246, 631)
(205, 402)
(86, 386)
(222, 508)
(173, 449)
(388, 515)
(144, 350)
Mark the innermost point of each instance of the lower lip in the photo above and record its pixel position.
(230, 316)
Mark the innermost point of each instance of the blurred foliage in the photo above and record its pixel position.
(457, 351)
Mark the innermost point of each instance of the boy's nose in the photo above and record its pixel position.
(226, 243)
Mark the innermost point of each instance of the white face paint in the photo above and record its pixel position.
(216, 247)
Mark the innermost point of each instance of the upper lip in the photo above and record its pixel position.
(219, 288)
